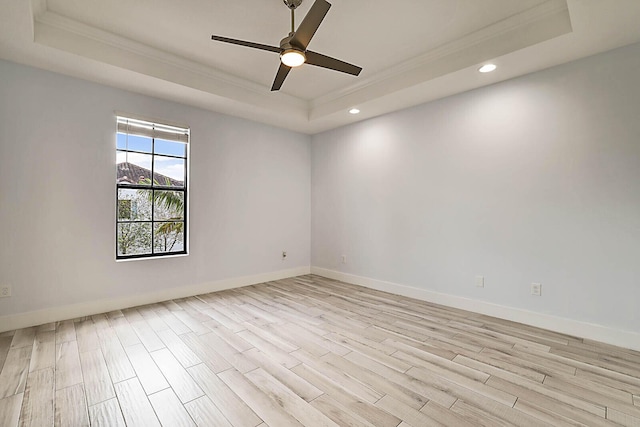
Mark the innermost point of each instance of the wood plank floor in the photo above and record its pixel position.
(314, 352)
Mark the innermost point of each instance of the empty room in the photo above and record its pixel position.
(319, 213)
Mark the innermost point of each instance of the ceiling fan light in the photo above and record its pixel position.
(292, 58)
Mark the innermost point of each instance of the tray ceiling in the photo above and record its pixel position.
(420, 51)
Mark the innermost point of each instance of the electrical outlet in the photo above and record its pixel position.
(5, 291)
(344, 259)
(536, 289)
(480, 281)
(284, 254)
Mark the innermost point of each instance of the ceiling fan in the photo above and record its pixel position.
(293, 48)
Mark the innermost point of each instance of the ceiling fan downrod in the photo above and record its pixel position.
(292, 5)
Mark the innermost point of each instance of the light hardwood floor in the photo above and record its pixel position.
(309, 351)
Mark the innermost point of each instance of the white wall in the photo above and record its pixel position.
(532, 180)
(249, 195)
(536, 179)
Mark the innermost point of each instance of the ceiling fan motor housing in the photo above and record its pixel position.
(285, 43)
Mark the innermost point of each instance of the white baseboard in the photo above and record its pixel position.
(54, 314)
(621, 338)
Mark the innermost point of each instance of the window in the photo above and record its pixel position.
(151, 187)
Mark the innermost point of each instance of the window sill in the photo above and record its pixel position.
(151, 257)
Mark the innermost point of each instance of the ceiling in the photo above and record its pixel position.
(420, 51)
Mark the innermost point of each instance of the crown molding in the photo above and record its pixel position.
(60, 32)
(383, 91)
(65, 24)
(540, 23)
(36, 9)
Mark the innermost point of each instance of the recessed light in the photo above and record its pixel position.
(487, 68)
(354, 111)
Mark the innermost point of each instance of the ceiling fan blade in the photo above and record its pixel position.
(283, 71)
(246, 44)
(310, 24)
(320, 60)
